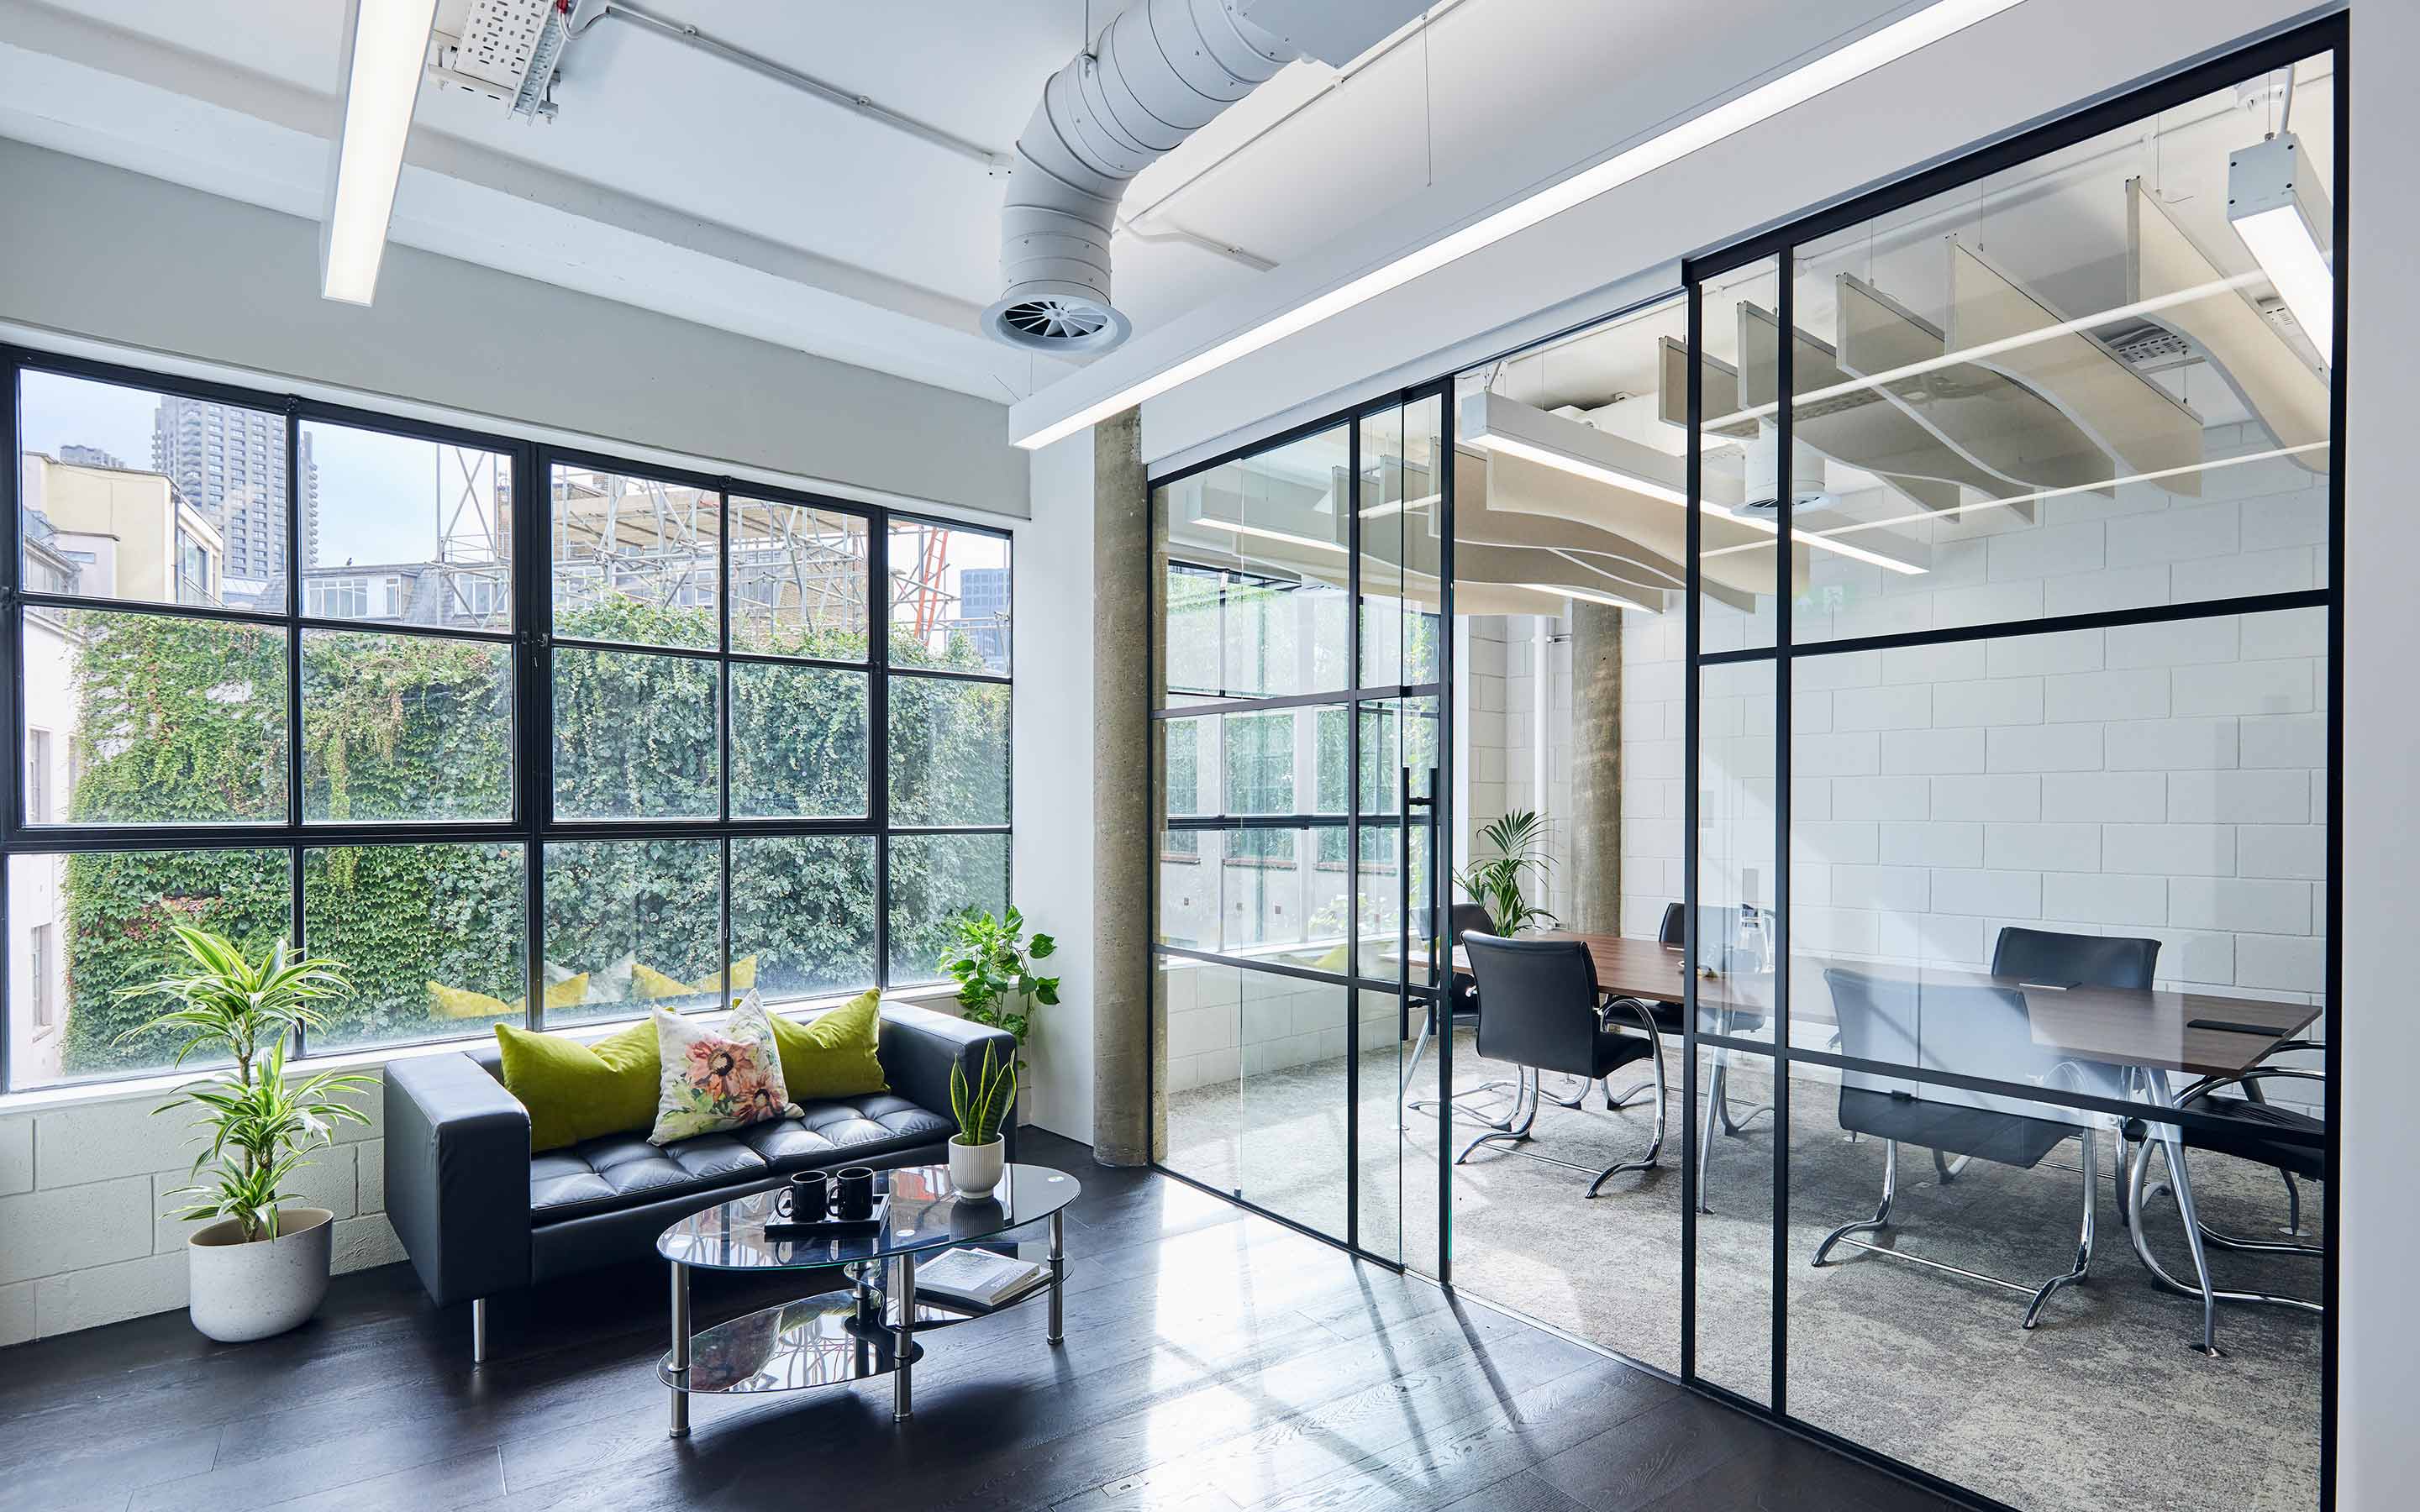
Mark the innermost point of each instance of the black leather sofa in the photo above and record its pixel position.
(480, 1216)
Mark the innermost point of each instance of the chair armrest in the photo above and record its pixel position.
(457, 1177)
(918, 1048)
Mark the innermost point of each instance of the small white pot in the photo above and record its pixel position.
(974, 1169)
(240, 1291)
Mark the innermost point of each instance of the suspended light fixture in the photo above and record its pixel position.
(385, 52)
(2277, 207)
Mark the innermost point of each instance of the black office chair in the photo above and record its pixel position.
(1462, 1001)
(2052, 959)
(1970, 1027)
(1545, 1013)
(2253, 1134)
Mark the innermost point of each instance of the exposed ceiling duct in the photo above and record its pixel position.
(1159, 72)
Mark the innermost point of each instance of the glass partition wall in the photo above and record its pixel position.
(1295, 748)
(1921, 725)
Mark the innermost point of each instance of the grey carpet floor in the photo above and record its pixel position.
(2103, 1407)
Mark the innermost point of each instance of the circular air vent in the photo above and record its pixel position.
(1060, 324)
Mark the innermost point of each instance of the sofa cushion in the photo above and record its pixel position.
(624, 1170)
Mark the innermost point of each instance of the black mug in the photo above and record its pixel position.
(807, 1198)
(853, 1202)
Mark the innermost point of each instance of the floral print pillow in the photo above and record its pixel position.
(717, 1077)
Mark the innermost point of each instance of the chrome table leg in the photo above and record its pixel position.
(902, 1387)
(479, 1331)
(1058, 1277)
(680, 1349)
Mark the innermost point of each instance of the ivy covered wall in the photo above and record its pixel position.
(183, 721)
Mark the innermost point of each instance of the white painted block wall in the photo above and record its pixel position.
(82, 1191)
(1225, 1024)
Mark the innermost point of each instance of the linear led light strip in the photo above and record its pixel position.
(2269, 455)
(1580, 467)
(2006, 343)
(386, 43)
(1890, 43)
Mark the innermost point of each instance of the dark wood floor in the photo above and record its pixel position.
(1213, 1361)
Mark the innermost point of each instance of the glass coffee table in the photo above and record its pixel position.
(870, 1330)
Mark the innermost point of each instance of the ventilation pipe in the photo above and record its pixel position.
(1157, 74)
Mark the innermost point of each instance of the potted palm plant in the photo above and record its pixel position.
(979, 1105)
(258, 1265)
(1497, 883)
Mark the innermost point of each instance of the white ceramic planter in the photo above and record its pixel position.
(974, 1169)
(242, 1291)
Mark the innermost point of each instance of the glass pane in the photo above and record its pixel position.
(406, 728)
(1736, 818)
(127, 493)
(406, 531)
(1256, 1087)
(631, 925)
(949, 751)
(949, 597)
(798, 579)
(1282, 895)
(636, 559)
(797, 742)
(157, 719)
(84, 928)
(433, 939)
(1402, 509)
(1398, 1203)
(635, 736)
(2044, 827)
(1888, 1353)
(1741, 468)
(1255, 555)
(2073, 386)
(803, 910)
(934, 878)
(1735, 1248)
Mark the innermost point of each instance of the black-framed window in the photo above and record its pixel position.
(520, 734)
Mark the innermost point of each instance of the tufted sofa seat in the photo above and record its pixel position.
(479, 1215)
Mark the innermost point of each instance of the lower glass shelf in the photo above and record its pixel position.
(798, 1344)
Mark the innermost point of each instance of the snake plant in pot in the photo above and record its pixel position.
(258, 1265)
(980, 1104)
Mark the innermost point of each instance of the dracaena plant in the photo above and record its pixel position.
(1499, 884)
(258, 1128)
(982, 1104)
(992, 963)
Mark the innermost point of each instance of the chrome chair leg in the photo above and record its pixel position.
(2090, 1161)
(1576, 1099)
(1654, 1146)
(1732, 1122)
(1615, 1102)
(1517, 1129)
(1881, 1220)
(1946, 1169)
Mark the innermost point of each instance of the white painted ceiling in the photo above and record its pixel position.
(680, 183)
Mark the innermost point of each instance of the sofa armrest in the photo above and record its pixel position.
(457, 1177)
(919, 1046)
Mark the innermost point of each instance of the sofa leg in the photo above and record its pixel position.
(479, 1331)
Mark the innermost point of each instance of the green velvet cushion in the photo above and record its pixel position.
(831, 1055)
(577, 1091)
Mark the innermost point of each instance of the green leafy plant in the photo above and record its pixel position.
(993, 965)
(1519, 841)
(259, 1129)
(982, 1104)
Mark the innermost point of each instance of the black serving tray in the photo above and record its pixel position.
(782, 1229)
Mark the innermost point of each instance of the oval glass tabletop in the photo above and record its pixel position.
(925, 1213)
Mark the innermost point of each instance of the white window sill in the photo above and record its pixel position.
(88, 1094)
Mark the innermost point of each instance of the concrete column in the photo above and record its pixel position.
(1594, 821)
(1128, 1120)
